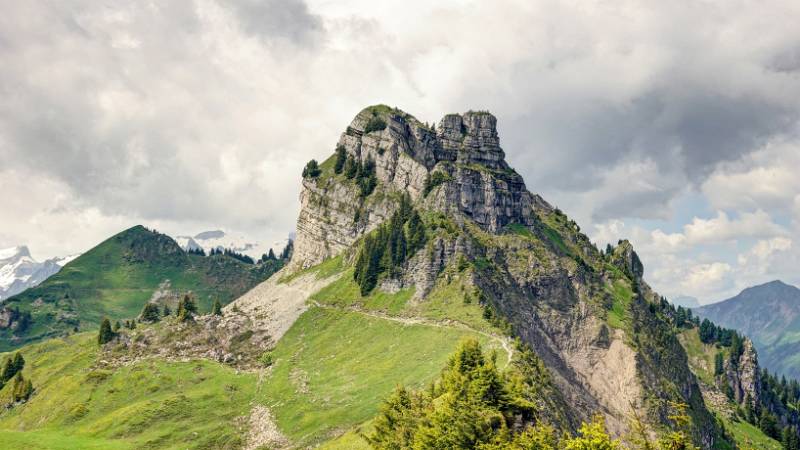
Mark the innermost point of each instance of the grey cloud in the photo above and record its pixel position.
(290, 19)
(688, 130)
(786, 60)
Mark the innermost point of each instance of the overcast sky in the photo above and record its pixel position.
(675, 124)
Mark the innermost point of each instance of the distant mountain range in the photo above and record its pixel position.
(220, 240)
(19, 271)
(770, 315)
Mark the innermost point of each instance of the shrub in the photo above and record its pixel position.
(312, 169)
(375, 123)
(266, 359)
(434, 180)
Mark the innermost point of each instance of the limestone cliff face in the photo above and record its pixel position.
(464, 148)
(530, 262)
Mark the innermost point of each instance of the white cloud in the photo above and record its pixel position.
(705, 278)
(723, 229)
(758, 256)
(764, 179)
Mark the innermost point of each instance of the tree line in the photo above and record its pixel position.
(151, 313)
(385, 250)
(285, 254)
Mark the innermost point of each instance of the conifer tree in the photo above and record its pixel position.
(288, 250)
(350, 167)
(106, 334)
(12, 367)
(166, 311)
(22, 389)
(271, 255)
(117, 326)
(312, 169)
(718, 364)
(186, 309)
(7, 372)
(18, 362)
(217, 308)
(150, 313)
(341, 157)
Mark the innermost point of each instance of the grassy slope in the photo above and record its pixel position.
(334, 368)
(331, 371)
(150, 404)
(341, 359)
(114, 280)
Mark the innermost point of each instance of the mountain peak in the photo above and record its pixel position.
(772, 284)
(16, 252)
(456, 168)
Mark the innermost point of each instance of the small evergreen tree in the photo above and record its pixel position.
(718, 364)
(271, 255)
(341, 157)
(186, 309)
(12, 367)
(350, 167)
(288, 250)
(22, 389)
(768, 425)
(7, 373)
(150, 313)
(312, 169)
(217, 308)
(18, 362)
(166, 311)
(106, 334)
(117, 326)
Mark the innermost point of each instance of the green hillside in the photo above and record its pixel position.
(329, 374)
(116, 278)
(148, 404)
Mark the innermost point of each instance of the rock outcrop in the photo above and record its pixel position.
(464, 149)
(743, 376)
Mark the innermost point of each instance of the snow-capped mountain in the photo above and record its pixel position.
(218, 239)
(19, 271)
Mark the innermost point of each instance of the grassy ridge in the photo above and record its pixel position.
(118, 276)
